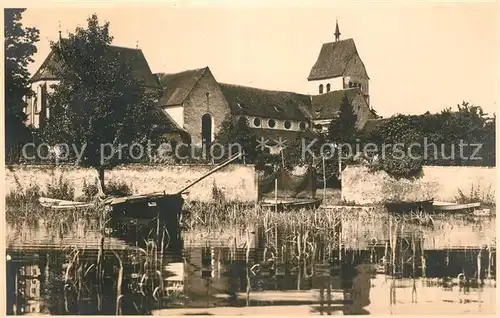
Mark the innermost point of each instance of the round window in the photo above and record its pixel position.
(302, 126)
(271, 123)
(256, 122)
(287, 124)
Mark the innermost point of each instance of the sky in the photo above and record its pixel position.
(420, 57)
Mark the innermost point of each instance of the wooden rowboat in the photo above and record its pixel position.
(447, 206)
(62, 204)
(407, 207)
(288, 205)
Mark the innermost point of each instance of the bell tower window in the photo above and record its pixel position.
(321, 88)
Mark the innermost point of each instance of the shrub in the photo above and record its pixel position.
(119, 188)
(90, 190)
(217, 195)
(22, 196)
(62, 189)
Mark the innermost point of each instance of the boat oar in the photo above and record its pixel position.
(162, 193)
(231, 159)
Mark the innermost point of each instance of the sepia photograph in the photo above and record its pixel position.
(250, 158)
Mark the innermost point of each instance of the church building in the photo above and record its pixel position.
(195, 104)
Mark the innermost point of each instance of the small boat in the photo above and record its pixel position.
(62, 204)
(407, 207)
(288, 205)
(448, 206)
(482, 212)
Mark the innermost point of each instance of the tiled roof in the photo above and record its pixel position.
(325, 106)
(265, 103)
(333, 59)
(135, 57)
(176, 87)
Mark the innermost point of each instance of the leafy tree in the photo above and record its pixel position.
(393, 140)
(488, 152)
(236, 136)
(98, 106)
(19, 49)
(343, 129)
(439, 137)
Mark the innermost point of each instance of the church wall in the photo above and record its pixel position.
(37, 108)
(356, 72)
(361, 109)
(177, 114)
(280, 123)
(335, 85)
(197, 104)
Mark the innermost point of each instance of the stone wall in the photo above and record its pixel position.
(237, 182)
(361, 186)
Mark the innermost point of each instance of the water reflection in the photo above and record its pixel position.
(119, 276)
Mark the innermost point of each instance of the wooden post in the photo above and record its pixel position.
(340, 162)
(283, 168)
(424, 265)
(276, 194)
(340, 238)
(250, 243)
(324, 179)
(386, 257)
(489, 262)
(479, 266)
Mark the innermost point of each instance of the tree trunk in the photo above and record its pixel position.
(102, 187)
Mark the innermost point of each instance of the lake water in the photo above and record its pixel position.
(79, 272)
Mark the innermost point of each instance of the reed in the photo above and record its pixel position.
(477, 194)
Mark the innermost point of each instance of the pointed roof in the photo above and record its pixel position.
(177, 86)
(325, 106)
(136, 58)
(337, 31)
(333, 59)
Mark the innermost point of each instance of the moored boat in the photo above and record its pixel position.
(289, 205)
(448, 206)
(407, 207)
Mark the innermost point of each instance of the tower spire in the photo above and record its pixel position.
(60, 32)
(337, 31)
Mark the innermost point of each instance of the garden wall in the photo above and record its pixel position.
(361, 186)
(237, 182)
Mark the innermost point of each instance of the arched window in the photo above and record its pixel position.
(287, 124)
(327, 87)
(271, 123)
(302, 125)
(350, 84)
(206, 129)
(321, 88)
(256, 122)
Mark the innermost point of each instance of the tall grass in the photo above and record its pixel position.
(61, 189)
(90, 190)
(476, 194)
